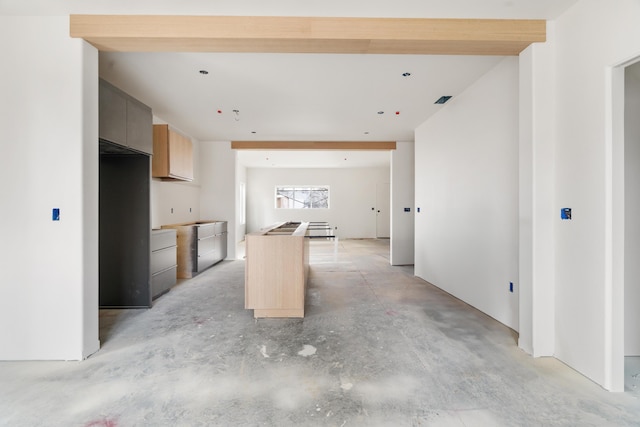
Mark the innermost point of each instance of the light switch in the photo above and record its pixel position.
(407, 209)
(55, 214)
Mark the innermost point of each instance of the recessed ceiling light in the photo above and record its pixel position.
(406, 74)
(253, 131)
(443, 99)
(205, 72)
(366, 133)
(380, 112)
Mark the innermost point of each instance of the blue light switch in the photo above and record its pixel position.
(565, 213)
(55, 215)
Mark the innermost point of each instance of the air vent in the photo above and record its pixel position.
(443, 99)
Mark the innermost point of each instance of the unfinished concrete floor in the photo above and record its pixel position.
(377, 347)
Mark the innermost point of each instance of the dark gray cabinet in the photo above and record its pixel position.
(124, 120)
(139, 126)
(126, 140)
(163, 261)
(211, 244)
(112, 123)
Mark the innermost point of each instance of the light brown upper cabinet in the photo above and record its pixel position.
(172, 154)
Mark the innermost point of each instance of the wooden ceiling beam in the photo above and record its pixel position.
(269, 34)
(313, 145)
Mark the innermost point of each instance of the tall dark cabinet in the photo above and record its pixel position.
(126, 142)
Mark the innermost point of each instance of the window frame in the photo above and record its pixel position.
(301, 187)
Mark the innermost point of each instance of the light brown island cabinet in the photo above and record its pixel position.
(172, 154)
(277, 266)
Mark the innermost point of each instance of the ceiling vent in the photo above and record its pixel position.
(443, 99)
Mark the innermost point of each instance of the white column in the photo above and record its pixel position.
(537, 198)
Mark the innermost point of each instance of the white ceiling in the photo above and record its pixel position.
(505, 9)
(295, 96)
(313, 159)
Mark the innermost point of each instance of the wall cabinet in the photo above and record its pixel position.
(173, 154)
(124, 120)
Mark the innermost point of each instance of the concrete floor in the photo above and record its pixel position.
(377, 347)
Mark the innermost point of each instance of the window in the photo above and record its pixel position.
(302, 197)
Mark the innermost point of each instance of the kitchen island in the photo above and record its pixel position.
(277, 266)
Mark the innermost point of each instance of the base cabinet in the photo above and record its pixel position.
(200, 245)
(211, 245)
(164, 263)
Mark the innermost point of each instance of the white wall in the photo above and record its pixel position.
(467, 188)
(49, 145)
(174, 202)
(632, 212)
(219, 188)
(402, 196)
(592, 37)
(538, 214)
(352, 197)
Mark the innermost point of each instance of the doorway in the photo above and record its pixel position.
(383, 210)
(622, 291)
(631, 280)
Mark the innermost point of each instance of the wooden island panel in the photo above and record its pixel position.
(276, 271)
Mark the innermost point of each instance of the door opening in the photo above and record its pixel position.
(383, 211)
(631, 280)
